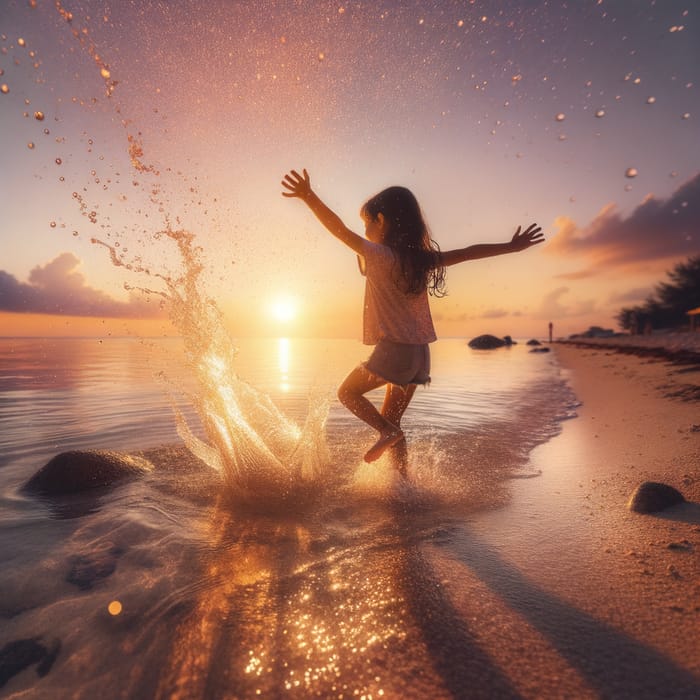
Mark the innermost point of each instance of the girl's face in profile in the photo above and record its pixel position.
(374, 228)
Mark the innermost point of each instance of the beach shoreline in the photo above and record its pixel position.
(677, 347)
(616, 594)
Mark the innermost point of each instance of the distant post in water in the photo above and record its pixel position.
(551, 328)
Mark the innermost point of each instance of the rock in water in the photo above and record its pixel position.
(75, 471)
(651, 496)
(18, 655)
(486, 342)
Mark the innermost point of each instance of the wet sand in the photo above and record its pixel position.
(588, 599)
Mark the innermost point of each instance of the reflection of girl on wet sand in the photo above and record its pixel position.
(402, 265)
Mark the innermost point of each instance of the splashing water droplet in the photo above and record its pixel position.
(560, 117)
(631, 172)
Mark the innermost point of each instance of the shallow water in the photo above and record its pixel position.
(329, 594)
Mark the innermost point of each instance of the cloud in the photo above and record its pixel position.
(552, 306)
(58, 288)
(495, 313)
(657, 230)
(636, 295)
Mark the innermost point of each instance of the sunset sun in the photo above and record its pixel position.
(284, 309)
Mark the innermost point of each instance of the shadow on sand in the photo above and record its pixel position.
(612, 663)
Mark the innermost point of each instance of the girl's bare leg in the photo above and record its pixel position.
(396, 402)
(351, 395)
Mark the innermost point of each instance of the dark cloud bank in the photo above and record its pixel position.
(657, 230)
(57, 288)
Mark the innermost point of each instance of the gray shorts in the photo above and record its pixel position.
(400, 363)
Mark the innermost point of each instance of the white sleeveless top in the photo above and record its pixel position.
(389, 312)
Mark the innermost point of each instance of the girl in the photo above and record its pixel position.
(402, 265)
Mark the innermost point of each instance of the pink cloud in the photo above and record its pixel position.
(58, 288)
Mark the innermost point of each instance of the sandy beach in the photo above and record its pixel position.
(605, 602)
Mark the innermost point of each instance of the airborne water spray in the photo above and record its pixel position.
(261, 454)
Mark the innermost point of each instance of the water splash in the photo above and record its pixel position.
(263, 456)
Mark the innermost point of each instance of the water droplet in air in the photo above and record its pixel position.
(628, 188)
(21, 42)
(39, 116)
(30, 145)
(686, 116)
(47, 132)
(52, 224)
(104, 73)
(321, 56)
(600, 113)
(58, 161)
(631, 172)
(4, 88)
(560, 117)
(651, 100)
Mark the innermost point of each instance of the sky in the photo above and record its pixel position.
(122, 120)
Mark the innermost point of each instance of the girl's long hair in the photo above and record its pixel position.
(408, 236)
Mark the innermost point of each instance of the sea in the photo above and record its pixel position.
(258, 556)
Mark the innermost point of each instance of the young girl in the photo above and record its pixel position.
(402, 265)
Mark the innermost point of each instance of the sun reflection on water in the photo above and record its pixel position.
(284, 357)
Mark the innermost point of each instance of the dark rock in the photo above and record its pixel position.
(533, 341)
(71, 472)
(486, 342)
(18, 655)
(651, 496)
(539, 350)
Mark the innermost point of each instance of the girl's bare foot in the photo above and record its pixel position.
(386, 440)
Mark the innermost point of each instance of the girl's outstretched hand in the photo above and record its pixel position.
(532, 235)
(298, 185)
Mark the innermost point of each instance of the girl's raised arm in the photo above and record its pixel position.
(300, 186)
(532, 235)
